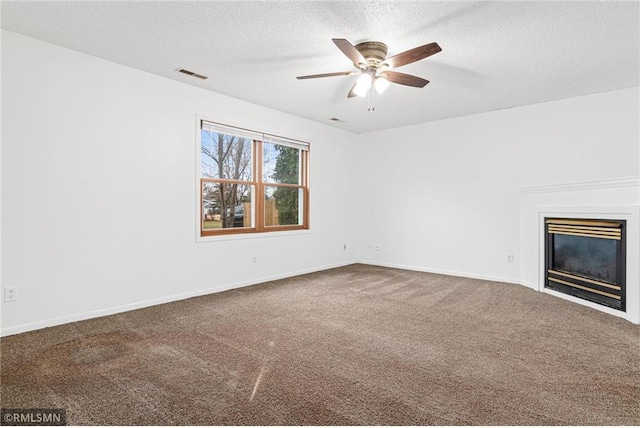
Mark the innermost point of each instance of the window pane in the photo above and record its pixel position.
(280, 164)
(226, 205)
(225, 156)
(283, 206)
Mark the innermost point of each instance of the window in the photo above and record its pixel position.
(251, 182)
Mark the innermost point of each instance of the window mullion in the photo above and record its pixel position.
(259, 221)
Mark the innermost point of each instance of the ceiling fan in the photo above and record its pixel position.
(375, 68)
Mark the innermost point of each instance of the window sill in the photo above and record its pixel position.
(260, 235)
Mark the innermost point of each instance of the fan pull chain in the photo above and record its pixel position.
(371, 100)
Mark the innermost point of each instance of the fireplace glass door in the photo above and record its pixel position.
(586, 258)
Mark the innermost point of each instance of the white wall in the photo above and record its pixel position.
(98, 199)
(443, 196)
(98, 173)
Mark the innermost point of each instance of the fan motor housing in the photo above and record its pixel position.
(374, 52)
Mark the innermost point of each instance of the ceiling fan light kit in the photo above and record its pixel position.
(362, 85)
(370, 58)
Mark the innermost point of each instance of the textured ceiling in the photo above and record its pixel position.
(496, 55)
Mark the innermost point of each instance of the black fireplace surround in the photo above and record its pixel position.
(586, 258)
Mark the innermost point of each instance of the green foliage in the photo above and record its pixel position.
(287, 170)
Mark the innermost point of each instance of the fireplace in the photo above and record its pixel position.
(586, 259)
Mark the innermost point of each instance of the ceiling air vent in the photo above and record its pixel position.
(191, 73)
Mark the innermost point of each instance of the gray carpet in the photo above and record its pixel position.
(348, 346)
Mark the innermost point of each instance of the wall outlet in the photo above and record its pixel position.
(10, 294)
(377, 248)
(509, 258)
(254, 260)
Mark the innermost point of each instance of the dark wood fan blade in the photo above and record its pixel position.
(412, 55)
(338, 73)
(405, 79)
(350, 51)
(351, 93)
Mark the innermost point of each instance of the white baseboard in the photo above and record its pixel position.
(51, 322)
(527, 284)
(442, 272)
